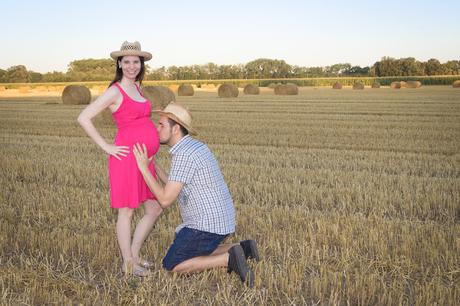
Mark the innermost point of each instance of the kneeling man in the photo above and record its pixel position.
(206, 206)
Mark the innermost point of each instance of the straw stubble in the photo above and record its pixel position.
(354, 201)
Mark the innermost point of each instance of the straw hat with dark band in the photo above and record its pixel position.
(128, 48)
(180, 114)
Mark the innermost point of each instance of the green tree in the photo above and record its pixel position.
(55, 76)
(357, 71)
(91, 70)
(387, 66)
(434, 67)
(452, 67)
(3, 76)
(267, 68)
(35, 77)
(18, 74)
(316, 72)
(337, 69)
(157, 74)
(410, 66)
(174, 73)
(210, 71)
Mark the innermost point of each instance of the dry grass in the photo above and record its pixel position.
(353, 196)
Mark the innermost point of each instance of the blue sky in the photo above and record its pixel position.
(47, 35)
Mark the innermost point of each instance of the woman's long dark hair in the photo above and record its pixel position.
(119, 72)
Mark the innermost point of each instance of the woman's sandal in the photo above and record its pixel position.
(144, 263)
(134, 269)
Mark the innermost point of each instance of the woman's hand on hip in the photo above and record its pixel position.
(117, 151)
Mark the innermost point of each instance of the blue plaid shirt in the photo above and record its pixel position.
(205, 201)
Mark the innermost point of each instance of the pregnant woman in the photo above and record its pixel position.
(131, 113)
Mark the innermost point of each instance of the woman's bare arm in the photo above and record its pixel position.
(108, 98)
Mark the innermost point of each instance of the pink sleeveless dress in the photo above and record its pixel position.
(132, 118)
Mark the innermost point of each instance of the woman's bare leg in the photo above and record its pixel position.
(125, 216)
(145, 225)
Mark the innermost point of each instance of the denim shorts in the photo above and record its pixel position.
(190, 243)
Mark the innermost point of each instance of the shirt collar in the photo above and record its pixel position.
(180, 144)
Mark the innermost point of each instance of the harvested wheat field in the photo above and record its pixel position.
(353, 196)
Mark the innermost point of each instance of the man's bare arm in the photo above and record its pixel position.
(166, 195)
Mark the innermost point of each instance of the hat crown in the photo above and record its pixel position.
(180, 112)
(131, 48)
(136, 46)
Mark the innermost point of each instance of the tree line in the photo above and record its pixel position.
(263, 68)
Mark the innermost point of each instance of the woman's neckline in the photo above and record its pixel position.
(145, 101)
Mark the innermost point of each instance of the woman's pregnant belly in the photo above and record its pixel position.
(144, 133)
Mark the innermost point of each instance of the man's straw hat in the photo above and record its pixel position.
(128, 48)
(180, 114)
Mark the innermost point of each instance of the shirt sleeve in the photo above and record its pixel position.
(182, 169)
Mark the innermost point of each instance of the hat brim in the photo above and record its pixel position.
(116, 54)
(173, 117)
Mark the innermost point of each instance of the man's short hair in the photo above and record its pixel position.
(182, 129)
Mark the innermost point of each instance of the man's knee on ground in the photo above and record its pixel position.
(168, 265)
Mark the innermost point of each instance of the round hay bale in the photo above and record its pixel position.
(337, 85)
(395, 85)
(76, 94)
(456, 84)
(286, 89)
(159, 96)
(105, 117)
(413, 84)
(251, 89)
(358, 86)
(403, 84)
(228, 90)
(272, 85)
(376, 85)
(2, 88)
(185, 90)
